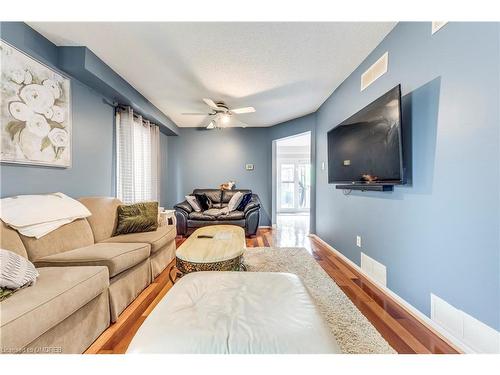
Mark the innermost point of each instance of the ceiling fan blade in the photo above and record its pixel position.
(243, 110)
(211, 125)
(210, 103)
(194, 114)
(235, 122)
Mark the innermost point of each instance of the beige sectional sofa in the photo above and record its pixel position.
(87, 278)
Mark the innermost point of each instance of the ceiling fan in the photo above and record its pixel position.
(220, 113)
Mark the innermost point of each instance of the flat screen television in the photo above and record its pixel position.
(367, 147)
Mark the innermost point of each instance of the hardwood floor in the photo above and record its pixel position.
(117, 337)
(404, 332)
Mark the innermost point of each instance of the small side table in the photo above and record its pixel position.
(167, 217)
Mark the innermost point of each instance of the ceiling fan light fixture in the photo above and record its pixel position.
(224, 118)
(221, 114)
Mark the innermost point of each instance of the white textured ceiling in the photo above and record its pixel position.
(284, 70)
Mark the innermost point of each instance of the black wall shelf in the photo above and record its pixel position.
(366, 187)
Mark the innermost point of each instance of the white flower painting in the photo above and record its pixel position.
(35, 111)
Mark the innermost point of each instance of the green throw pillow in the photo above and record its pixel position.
(4, 293)
(138, 217)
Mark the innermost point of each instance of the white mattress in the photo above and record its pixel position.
(235, 312)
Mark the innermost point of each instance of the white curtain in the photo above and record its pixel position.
(137, 149)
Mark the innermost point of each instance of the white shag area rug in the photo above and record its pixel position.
(352, 330)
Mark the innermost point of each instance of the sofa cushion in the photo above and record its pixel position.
(215, 195)
(204, 201)
(235, 201)
(193, 202)
(10, 240)
(118, 257)
(228, 194)
(200, 224)
(57, 294)
(157, 239)
(244, 201)
(233, 215)
(68, 237)
(200, 216)
(104, 215)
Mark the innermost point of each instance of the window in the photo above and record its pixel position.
(287, 191)
(137, 157)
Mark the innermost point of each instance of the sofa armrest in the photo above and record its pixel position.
(252, 216)
(184, 206)
(182, 211)
(253, 204)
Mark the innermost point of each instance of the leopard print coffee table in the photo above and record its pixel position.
(211, 248)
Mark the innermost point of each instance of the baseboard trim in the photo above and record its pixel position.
(417, 314)
(265, 226)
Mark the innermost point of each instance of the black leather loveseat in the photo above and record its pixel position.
(188, 219)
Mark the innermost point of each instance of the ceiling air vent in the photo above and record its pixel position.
(437, 25)
(375, 71)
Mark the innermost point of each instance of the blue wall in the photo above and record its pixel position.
(440, 234)
(92, 170)
(200, 158)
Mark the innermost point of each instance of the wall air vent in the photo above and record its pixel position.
(378, 69)
(473, 333)
(374, 269)
(437, 25)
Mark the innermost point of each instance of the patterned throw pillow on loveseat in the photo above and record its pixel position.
(15, 272)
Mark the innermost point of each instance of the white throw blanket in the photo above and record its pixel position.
(38, 215)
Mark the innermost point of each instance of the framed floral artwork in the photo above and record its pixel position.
(35, 111)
